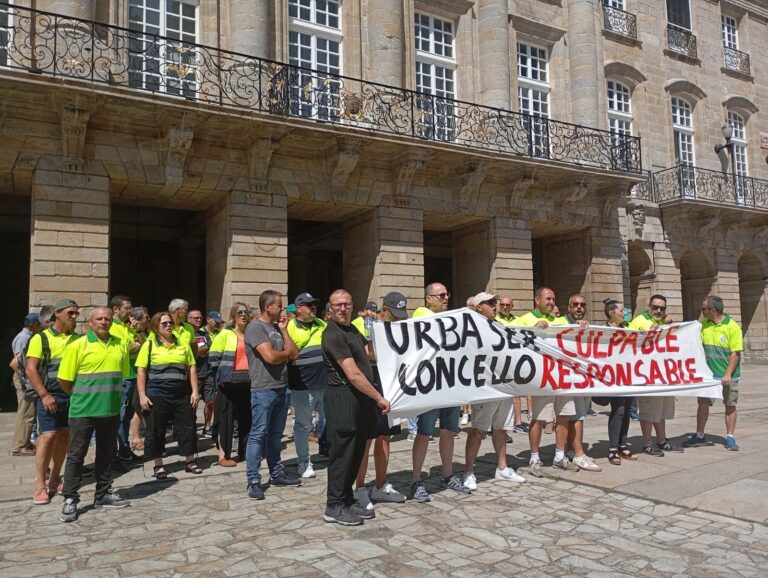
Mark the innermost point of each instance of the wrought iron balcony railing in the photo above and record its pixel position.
(685, 182)
(736, 60)
(50, 44)
(681, 40)
(619, 21)
(644, 191)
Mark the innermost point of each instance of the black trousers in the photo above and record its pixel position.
(234, 403)
(618, 421)
(80, 432)
(178, 412)
(350, 422)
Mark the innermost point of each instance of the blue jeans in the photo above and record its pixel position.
(304, 401)
(126, 414)
(269, 410)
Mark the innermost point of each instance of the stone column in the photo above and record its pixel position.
(70, 233)
(494, 256)
(387, 35)
(249, 27)
(247, 248)
(493, 58)
(668, 282)
(605, 277)
(383, 252)
(754, 317)
(582, 48)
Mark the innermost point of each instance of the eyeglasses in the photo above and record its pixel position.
(706, 308)
(242, 312)
(72, 313)
(659, 307)
(341, 305)
(505, 305)
(580, 305)
(491, 302)
(440, 295)
(165, 323)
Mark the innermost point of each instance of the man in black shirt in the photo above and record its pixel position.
(350, 409)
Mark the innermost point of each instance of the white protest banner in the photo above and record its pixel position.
(460, 357)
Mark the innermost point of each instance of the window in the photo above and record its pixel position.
(435, 76)
(682, 125)
(5, 34)
(154, 63)
(679, 14)
(618, 4)
(533, 96)
(314, 42)
(620, 121)
(730, 33)
(740, 167)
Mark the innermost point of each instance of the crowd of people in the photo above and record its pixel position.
(128, 378)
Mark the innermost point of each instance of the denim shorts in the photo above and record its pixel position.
(53, 422)
(449, 420)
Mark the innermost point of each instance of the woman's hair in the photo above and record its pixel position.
(154, 323)
(236, 306)
(610, 306)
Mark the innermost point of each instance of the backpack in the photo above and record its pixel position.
(30, 394)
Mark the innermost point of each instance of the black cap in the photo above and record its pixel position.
(304, 299)
(396, 302)
(372, 306)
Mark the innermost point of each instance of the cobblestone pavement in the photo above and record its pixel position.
(558, 525)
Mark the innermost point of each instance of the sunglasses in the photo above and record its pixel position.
(659, 307)
(165, 323)
(440, 295)
(578, 305)
(242, 312)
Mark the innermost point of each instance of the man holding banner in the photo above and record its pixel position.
(655, 411)
(436, 301)
(547, 408)
(497, 416)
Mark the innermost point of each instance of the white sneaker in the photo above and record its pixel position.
(363, 498)
(586, 463)
(509, 474)
(306, 470)
(386, 493)
(470, 481)
(465, 419)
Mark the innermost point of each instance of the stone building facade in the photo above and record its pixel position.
(215, 148)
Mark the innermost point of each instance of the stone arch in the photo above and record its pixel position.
(740, 104)
(685, 89)
(697, 276)
(641, 275)
(625, 73)
(753, 294)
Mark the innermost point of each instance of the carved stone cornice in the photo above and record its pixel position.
(341, 158)
(404, 169)
(471, 177)
(74, 124)
(178, 141)
(519, 193)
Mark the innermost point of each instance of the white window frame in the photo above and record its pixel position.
(176, 69)
(682, 26)
(531, 88)
(730, 28)
(437, 114)
(685, 144)
(315, 95)
(740, 162)
(617, 4)
(620, 121)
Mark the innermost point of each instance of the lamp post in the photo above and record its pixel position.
(727, 131)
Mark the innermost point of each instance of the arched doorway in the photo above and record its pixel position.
(753, 281)
(641, 276)
(697, 274)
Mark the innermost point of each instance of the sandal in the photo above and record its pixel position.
(192, 468)
(613, 458)
(159, 473)
(625, 454)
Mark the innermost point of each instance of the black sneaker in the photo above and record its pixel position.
(668, 446)
(283, 480)
(255, 492)
(110, 500)
(341, 515)
(361, 512)
(455, 484)
(69, 510)
(653, 451)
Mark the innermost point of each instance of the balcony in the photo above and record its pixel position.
(619, 22)
(51, 45)
(681, 41)
(736, 61)
(685, 183)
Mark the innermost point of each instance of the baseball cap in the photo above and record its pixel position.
(31, 319)
(216, 316)
(396, 303)
(63, 304)
(304, 299)
(291, 309)
(372, 306)
(482, 297)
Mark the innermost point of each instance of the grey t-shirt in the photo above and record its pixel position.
(263, 375)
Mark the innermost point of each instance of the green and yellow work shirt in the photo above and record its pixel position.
(720, 340)
(422, 312)
(308, 370)
(167, 368)
(644, 322)
(127, 335)
(504, 320)
(531, 318)
(57, 342)
(96, 370)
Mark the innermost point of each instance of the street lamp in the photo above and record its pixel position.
(728, 135)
